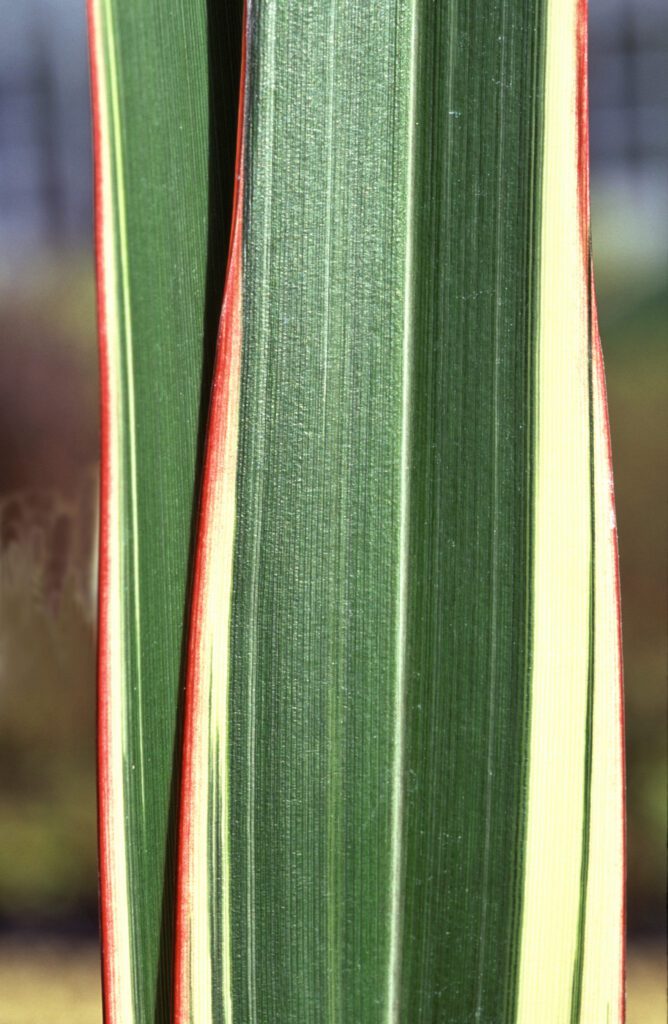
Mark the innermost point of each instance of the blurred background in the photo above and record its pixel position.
(48, 486)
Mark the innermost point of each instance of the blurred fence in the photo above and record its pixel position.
(629, 90)
(45, 179)
(45, 161)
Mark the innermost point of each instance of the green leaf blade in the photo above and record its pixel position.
(320, 475)
(468, 637)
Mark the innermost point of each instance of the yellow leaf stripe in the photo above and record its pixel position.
(572, 928)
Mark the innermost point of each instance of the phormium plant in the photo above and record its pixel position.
(359, 668)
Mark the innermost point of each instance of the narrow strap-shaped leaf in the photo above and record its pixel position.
(202, 982)
(403, 779)
(164, 103)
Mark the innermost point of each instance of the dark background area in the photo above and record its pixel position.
(49, 468)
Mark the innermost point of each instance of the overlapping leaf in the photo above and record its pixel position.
(402, 793)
